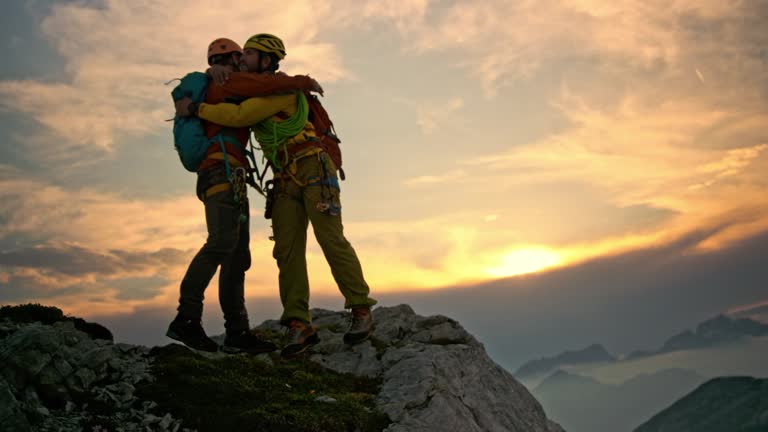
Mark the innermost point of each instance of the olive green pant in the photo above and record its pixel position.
(295, 205)
(226, 248)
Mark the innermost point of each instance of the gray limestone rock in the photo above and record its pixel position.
(358, 360)
(433, 373)
(12, 419)
(47, 364)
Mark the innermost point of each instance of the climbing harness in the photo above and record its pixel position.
(237, 178)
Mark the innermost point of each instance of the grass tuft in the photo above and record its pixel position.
(242, 393)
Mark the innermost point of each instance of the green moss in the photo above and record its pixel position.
(244, 394)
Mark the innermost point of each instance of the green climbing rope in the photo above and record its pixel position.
(273, 135)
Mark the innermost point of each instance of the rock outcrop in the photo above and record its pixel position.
(435, 377)
(58, 378)
(434, 373)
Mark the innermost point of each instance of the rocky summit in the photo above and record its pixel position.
(429, 375)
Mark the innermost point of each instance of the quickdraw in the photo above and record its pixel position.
(238, 178)
(326, 205)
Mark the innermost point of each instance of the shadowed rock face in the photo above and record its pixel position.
(435, 376)
(732, 404)
(47, 370)
(433, 371)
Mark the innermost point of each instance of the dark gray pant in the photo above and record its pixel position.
(227, 247)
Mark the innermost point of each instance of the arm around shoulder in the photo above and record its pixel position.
(250, 112)
(253, 84)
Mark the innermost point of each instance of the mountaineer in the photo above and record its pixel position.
(297, 138)
(217, 154)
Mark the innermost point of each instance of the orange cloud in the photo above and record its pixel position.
(116, 65)
(659, 138)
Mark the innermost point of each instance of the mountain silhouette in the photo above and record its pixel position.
(594, 353)
(584, 404)
(720, 330)
(732, 404)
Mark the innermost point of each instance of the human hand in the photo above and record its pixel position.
(182, 107)
(219, 74)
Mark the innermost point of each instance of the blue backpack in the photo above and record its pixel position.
(189, 137)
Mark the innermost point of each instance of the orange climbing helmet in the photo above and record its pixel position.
(223, 46)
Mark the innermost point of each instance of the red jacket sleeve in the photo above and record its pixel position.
(248, 84)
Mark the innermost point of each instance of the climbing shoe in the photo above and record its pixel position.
(300, 337)
(246, 341)
(360, 326)
(191, 333)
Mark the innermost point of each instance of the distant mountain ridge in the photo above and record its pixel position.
(594, 353)
(757, 313)
(717, 331)
(584, 404)
(734, 404)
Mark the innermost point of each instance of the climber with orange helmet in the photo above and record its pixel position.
(306, 190)
(227, 245)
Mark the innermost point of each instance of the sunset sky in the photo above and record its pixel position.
(481, 139)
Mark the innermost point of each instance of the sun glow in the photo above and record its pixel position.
(522, 261)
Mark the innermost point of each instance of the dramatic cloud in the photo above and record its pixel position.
(505, 41)
(116, 64)
(430, 116)
(627, 301)
(102, 221)
(451, 176)
(75, 260)
(78, 247)
(534, 134)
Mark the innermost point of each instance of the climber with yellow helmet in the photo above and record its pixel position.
(306, 189)
(227, 245)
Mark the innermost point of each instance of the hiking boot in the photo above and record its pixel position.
(300, 337)
(246, 341)
(360, 326)
(191, 334)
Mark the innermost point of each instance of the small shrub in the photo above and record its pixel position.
(32, 312)
(35, 312)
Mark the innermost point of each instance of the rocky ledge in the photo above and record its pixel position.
(433, 375)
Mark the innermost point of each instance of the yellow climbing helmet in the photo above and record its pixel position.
(267, 43)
